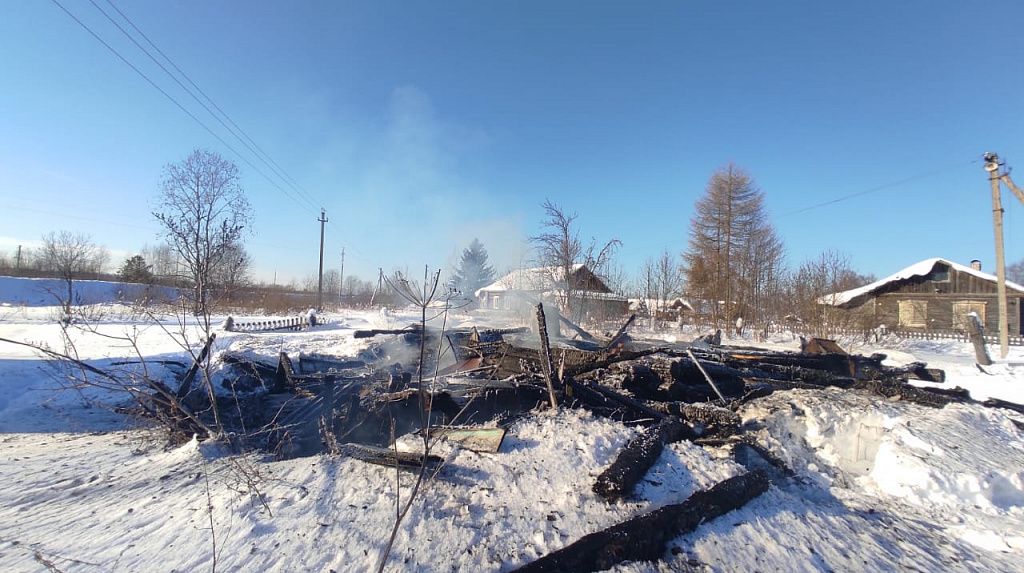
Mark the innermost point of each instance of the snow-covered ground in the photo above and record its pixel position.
(880, 485)
(20, 291)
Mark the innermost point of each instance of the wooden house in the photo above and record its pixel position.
(932, 295)
(590, 294)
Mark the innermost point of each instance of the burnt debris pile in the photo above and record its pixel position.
(469, 384)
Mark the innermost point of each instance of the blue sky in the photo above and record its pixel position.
(420, 125)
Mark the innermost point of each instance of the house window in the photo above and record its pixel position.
(940, 274)
(962, 308)
(914, 313)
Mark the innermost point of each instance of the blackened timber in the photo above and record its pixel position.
(576, 328)
(186, 382)
(644, 538)
(902, 391)
(284, 377)
(376, 331)
(390, 458)
(546, 362)
(997, 403)
(621, 333)
(632, 463)
(587, 392)
(709, 419)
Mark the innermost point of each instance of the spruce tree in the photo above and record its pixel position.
(473, 271)
(135, 270)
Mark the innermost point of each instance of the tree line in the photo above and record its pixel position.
(734, 264)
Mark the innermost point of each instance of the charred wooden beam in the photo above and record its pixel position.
(621, 333)
(708, 420)
(997, 403)
(576, 328)
(901, 391)
(186, 382)
(546, 362)
(632, 463)
(414, 329)
(644, 538)
(389, 457)
(285, 374)
(593, 393)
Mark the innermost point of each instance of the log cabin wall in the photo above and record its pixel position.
(938, 302)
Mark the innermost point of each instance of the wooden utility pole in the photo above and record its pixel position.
(17, 263)
(320, 283)
(992, 166)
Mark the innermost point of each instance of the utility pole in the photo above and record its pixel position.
(320, 283)
(17, 263)
(995, 175)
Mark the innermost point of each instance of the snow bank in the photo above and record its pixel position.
(962, 466)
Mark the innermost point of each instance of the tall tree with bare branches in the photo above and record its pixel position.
(70, 255)
(203, 212)
(734, 258)
(560, 250)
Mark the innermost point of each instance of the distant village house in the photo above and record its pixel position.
(932, 295)
(592, 297)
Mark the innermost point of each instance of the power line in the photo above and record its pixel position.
(176, 103)
(879, 188)
(247, 141)
(79, 217)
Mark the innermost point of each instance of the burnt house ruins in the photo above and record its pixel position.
(934, 295)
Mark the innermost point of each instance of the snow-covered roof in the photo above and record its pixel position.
(651, 303)
(537, 279)
(920, 269)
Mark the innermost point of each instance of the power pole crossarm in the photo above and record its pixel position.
(1016, 190)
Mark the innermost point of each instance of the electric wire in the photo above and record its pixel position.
(237, 131)
(878, 188)
(179, 105)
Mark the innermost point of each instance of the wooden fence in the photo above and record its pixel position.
(294, 323)
(867, 334)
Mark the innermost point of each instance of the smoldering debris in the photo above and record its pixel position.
(468, 385)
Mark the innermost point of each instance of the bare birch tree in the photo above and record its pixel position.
(69, 255)
(827, 273)
(560, 250)
(668, 278)
(203, 212)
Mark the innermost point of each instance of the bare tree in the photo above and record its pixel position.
(332, 284)
(203, 212)
(1015, 272)
(232, 271)
(560, 250)
(668, 278)
(817, 278)
(69, 255)
(163, 260)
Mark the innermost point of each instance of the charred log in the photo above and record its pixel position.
(904, 392)
(638, 456)
(707, 420)
(644, 538)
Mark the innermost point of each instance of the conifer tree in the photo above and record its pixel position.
(135, 270)
(473, 271)
(734, 258)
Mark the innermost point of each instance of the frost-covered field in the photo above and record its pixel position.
(880, 485)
